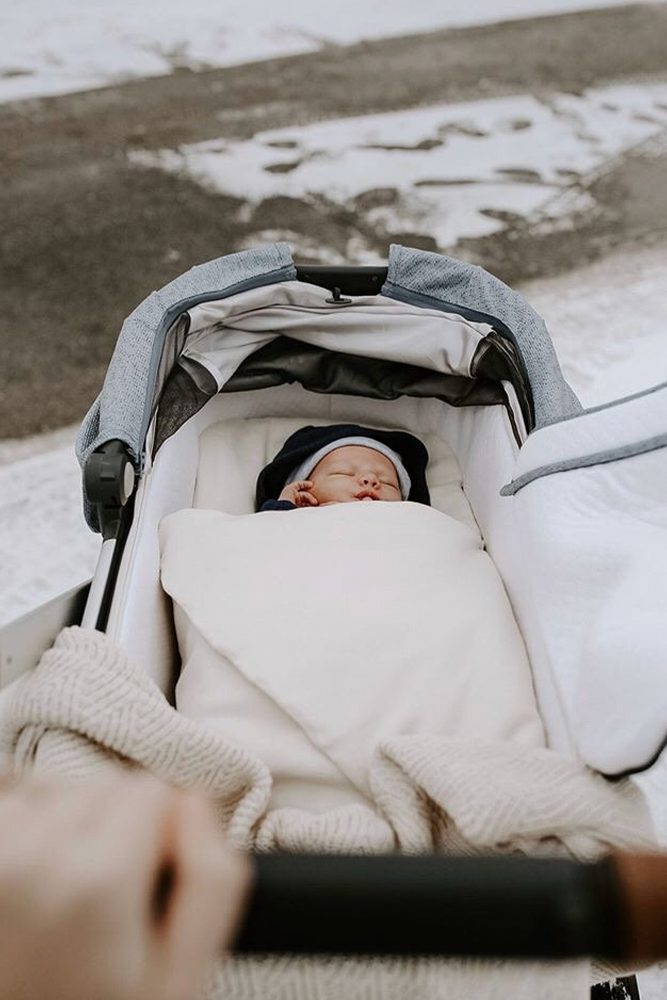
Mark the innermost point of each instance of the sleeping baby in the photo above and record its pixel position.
(318, 466)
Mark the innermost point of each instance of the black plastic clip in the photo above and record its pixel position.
(338, 299)
(109, 478)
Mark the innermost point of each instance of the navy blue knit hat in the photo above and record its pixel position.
(308, 440)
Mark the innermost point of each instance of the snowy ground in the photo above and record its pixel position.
(448, 171)
(48, 48)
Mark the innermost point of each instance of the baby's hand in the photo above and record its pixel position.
(297, 493)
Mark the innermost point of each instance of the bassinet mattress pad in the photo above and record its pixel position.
(346, 625)
(232, 452)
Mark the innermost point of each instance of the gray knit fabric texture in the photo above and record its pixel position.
(119, 410)
(457, 284)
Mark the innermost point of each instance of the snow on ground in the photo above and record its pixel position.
(447, 171)
(48, 48)
(45, 545)
(607, 323)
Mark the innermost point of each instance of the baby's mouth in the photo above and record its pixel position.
(367, 495)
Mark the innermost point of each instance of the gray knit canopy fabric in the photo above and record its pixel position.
(436, 281)
(124, 407)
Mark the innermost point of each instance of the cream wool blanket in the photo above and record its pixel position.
(87, 706)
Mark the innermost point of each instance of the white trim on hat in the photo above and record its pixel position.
(303, 471)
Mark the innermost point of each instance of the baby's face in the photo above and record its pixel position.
(354, 473)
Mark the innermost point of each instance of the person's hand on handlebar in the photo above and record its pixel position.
(119, 891)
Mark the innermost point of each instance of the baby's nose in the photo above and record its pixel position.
(368, 479)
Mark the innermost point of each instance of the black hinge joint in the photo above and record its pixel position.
(109, 479)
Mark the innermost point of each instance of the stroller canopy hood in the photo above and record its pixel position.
(160, 329)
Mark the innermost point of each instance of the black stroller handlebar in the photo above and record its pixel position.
(503, 907)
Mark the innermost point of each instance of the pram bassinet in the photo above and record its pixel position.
(567, 500)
